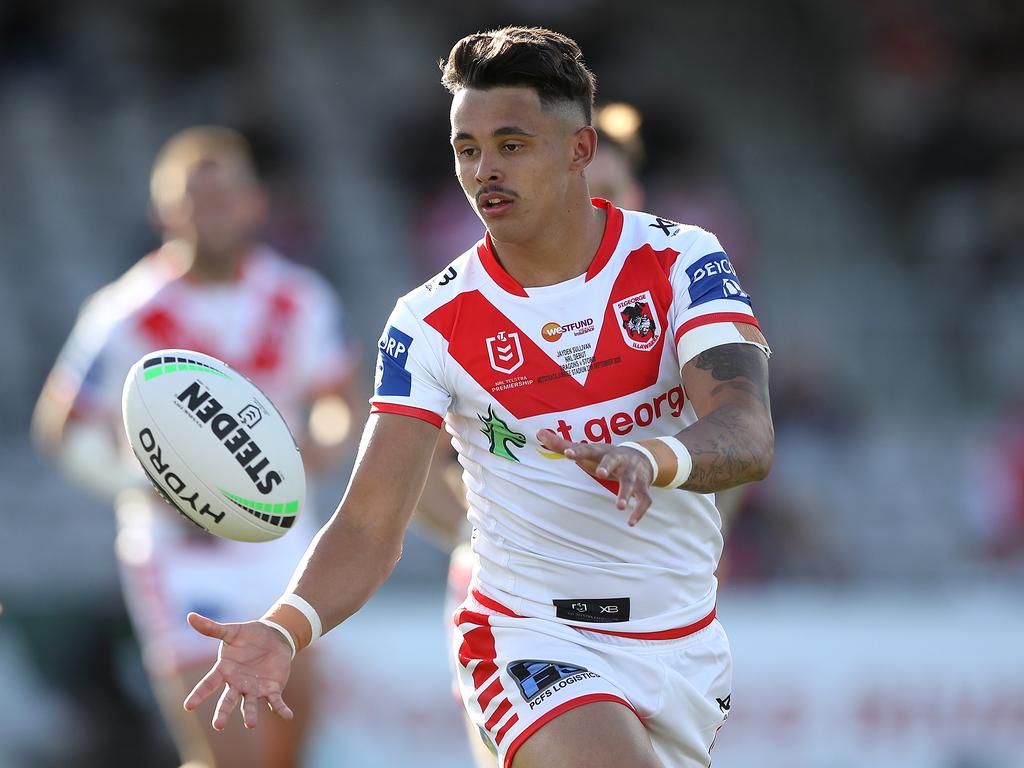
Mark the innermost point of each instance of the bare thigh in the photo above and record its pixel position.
(274, 743)
(602, 734)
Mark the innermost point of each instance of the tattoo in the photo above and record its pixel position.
(730, 450)
(739, 366)
(732, 444)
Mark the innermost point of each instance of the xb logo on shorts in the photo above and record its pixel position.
(500, 434)
(505, 352)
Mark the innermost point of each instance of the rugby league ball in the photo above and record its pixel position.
(213, 445)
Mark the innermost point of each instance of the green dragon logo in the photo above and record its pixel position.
(499, 434)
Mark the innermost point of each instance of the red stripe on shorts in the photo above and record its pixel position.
(485, 696)
(499, 713)
(665, 634)
(504, 729)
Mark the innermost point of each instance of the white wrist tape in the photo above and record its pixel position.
(284, 632)
(306, 610)
(684, 462)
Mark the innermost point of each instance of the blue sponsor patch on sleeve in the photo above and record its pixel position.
(712, 277)
(392, 376)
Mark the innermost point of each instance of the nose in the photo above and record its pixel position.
(488, 170)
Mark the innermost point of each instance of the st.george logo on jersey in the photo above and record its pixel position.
(505, 352)
(638, 321)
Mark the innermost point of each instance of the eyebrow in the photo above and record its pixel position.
(505, 130)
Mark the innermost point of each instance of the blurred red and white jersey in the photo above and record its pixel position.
(595, 358)
(278, 323)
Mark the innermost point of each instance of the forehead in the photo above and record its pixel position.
(480, 112)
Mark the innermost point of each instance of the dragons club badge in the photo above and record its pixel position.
(638, 321)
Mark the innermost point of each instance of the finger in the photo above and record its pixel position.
(586, 451)
(278, 706)
(250, 711)
(227, 703)
(609, 464)
(643, 503)
(552, 441)
(204, 689)
(208, 627)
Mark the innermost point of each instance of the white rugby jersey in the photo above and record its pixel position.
(595, 358)
(278, 323)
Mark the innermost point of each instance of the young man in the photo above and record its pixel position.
(441, 512)
(552, 352)
(212, 287)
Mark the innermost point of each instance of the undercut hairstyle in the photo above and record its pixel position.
(533, 57)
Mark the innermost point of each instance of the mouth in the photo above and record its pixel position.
(494, 203)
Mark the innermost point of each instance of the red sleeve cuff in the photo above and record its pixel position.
(716, 317)
(407, 410)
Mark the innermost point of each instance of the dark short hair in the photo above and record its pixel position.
(548, 62)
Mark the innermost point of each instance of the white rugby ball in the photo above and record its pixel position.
(213, 445)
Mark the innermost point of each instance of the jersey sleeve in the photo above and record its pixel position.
(92, 365)
(708, 300)
(410, 378)
(328, 354)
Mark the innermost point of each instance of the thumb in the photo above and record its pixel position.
(208, 627)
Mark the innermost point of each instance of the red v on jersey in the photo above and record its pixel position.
(540, 385)
(164, 328)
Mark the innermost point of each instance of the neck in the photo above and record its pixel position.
(206, 266)
(560, 251)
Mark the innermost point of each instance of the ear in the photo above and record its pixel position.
(584, 147)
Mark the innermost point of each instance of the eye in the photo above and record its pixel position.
(466, 151)
(512, 146)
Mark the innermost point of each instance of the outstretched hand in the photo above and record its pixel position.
(252, 667)
(629, 467)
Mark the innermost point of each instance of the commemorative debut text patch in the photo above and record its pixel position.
(392, 376)
(712, 277)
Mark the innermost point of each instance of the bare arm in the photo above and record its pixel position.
(349, 559)
(355, 552)
(733, 440)
(441, 512)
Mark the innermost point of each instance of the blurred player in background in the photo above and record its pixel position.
(212, 287)
(590, 634)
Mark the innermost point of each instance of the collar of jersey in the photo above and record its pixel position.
(610, 239)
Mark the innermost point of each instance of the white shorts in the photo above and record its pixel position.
(164, 575)
(516, 674)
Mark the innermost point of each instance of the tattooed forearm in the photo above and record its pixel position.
(738, 366)
(729, 447)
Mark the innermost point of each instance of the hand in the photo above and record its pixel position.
(629, 467)
(253, 665)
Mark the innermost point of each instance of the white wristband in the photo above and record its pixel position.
(287, 635)
(645, 452)
(306, 610)
(684, 462)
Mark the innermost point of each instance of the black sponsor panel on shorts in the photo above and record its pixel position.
(594, 610)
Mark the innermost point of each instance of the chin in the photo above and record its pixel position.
(506, 231)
